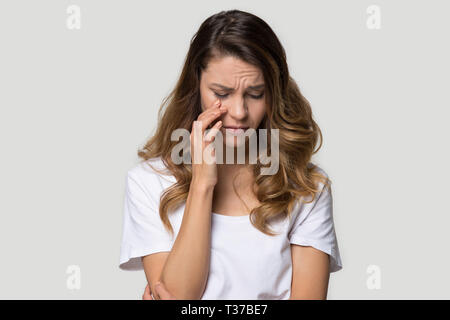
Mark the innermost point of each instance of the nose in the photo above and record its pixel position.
(237, 109)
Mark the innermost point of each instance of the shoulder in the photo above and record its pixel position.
(320, 170)
(153, 168)
(305, 205)
(323, 184)
(150, 174)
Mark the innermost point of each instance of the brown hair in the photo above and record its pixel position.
(247, 37)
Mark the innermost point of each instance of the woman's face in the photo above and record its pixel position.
(240, 87)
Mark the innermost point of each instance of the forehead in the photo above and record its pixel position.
(229, 71)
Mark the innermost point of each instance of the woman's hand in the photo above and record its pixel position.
(203, 173)
(161, 293)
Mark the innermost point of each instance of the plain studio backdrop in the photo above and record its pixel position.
(76, 104)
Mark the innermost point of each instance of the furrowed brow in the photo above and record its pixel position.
(259, 86)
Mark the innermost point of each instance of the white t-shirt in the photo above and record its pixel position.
(245, 263)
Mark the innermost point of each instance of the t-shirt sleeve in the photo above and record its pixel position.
(143, 230)
(314, 226)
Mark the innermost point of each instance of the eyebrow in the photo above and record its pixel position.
(259, 86)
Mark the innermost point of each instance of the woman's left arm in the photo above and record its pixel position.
(310, 273)
(161, 293)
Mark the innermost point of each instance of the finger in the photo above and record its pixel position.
(215, 106)
(212, 113)
(199, 128)
(163, 293)
(147, 295)
(204, 120)
(208, 120)
(213, 131)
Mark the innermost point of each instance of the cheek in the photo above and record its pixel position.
(259, 110)
(207, 100)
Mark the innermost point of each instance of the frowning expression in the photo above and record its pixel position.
(240, 87)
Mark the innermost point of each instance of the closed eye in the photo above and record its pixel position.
(220, 95)
(225, 95)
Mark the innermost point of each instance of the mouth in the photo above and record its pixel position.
(235, 127)
(235, 130)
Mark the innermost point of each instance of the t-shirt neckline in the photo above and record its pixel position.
(230, 218)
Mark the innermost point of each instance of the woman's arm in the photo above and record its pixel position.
(153, 266)
(185, 269)
(310, 273)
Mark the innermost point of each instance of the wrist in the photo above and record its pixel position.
(201, 186)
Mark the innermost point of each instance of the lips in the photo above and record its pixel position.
(235, 130)
(235, 127)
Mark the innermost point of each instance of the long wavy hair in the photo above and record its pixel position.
(245, 36)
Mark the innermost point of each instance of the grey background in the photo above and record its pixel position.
(76, 105)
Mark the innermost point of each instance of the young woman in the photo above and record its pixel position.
(224, 230)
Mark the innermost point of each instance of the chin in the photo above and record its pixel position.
(233, 142)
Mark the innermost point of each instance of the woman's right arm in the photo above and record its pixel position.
(184, 271)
